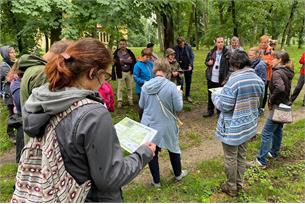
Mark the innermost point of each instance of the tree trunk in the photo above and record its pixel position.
(190, 27)
(46, 37)
(160, 31)
(302, 32)
(235, 26)
(111, 41)
(288, 24)
(179, 23)
(220, 11)
(267, 19)
(94, 32)
(196, 29)
(168, 30)
(56, 32)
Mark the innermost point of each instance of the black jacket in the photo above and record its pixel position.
(224, 64)
(116, 68)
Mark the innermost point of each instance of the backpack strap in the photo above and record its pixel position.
(60, 116)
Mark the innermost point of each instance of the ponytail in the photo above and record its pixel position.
(58, 73)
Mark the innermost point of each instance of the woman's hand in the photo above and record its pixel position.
(151, 146)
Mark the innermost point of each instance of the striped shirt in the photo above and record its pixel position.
(238, 102)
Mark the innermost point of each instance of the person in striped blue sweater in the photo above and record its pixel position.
(238, 102)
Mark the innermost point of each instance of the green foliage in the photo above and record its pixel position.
(7, 181)
(5, 144)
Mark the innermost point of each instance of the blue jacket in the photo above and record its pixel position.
(189, 54)
(161, 120)
(260, 69)
(142, 72)
(238, 102)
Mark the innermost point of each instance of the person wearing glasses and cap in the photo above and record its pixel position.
(217, 62)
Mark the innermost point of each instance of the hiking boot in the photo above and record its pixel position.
(183, 174)
(206, 115)
(156, 185)
(239, 187)
(189, 99)
(120, 104)
(226, 189)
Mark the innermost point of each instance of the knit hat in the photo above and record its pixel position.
(169, 51)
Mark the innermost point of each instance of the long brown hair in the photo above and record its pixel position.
(80, 57)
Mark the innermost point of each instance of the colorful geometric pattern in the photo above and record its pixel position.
(41, 175)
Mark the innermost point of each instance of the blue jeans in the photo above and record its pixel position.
(272, 133)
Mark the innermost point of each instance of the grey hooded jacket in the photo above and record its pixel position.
(87, 140)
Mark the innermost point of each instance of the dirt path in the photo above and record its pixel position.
(208, 148)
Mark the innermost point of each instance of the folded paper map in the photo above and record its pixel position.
(216, 90)
(132, 134)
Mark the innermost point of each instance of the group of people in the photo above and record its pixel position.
(69, 85)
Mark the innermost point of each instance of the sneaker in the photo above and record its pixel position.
(120, 104)
(189, 99)
(270, 155)
(156, 185)
(225, 188)
(255, 163)
(183, 174)
(258, 163)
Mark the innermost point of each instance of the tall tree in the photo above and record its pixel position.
(289, 22)
(235, 26)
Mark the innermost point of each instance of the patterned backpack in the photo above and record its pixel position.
(41, 175)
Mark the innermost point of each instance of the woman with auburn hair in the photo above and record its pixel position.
(280, 86)
(86, 136)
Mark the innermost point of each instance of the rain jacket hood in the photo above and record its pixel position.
(154, 85)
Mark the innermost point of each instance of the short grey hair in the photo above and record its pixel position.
(234, 38)
(161, 64)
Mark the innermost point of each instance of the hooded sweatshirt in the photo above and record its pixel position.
(5, 67)
(34, 76)
(162, 120)
(87, 140)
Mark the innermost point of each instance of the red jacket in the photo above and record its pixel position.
(302, 62)
(107, 94)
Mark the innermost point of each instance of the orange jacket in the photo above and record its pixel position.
(267, 58)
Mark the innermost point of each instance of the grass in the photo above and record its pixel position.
(5, 143)
(282, 182)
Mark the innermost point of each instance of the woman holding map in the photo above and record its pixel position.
(160, 100)
(85, 134)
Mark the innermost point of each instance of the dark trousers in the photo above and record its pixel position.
(15, 122)
(9, 129)
(140, 110)
(154, 165)
(265, 95)
(188, 81)
(211, 106)
(298, 89)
